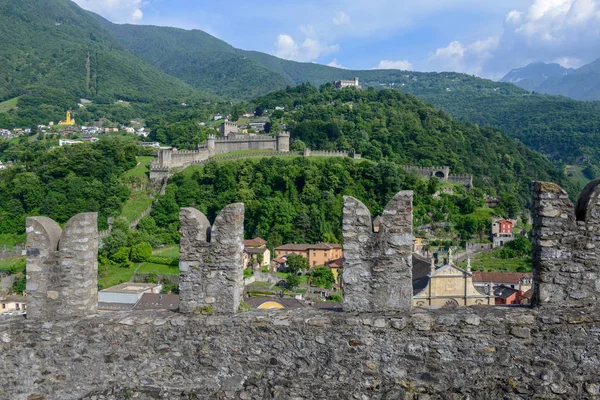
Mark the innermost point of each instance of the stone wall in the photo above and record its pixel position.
(482, 353)
(62, 267)
(386, 352)
(566, 246)
(211, 261)
(378, 265)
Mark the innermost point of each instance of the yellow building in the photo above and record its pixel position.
(68, 121)
(447, 286)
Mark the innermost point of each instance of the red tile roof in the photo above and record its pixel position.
(280, 260)
(339, 263)
(256, 242)
(500, 277)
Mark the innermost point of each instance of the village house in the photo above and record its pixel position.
(316, 254)
(502, 232)
(256, 253)
(336, 267)
(522, 281)
(448, 286)
(13, 304)
(125, 295)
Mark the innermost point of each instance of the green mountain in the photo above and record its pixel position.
(54, 43)
(580, 84)
(562, 128)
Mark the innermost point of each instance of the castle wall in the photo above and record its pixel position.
(377, 348)
(223, 146)
(211, 261)
(483, 353)
(566, 246)
(62, 267)
(378, 266)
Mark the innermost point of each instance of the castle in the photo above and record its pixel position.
(379, 347)
(343, 84)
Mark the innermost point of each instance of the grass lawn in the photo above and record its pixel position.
(141, 169)
(138, 203)
(483, 213)
(8, 105)
(489, 263)
(303, 278)
(14, 265)
(159, 269)
(575, 175)
(112, 275)
(170, 251)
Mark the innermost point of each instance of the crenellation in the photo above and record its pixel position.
(62, 267)
(565, 258)
(211, 261)
(378, 265)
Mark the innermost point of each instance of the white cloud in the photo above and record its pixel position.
(334, 63)
(115, 10)
(341, 18)
(463, 58)
(309, 50)
(387, 64)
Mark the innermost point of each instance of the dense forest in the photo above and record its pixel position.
(56, 44)
(390, 125)
(63, 181)
(301, 199)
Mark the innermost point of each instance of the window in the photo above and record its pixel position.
(314, 263)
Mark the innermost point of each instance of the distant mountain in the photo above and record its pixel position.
(580, 84)
(56, 44)
(535, 74)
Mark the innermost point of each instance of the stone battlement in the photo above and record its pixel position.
(376, 348)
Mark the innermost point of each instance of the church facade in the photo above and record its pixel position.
(447, 286)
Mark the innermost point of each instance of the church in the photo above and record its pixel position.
(448, 286)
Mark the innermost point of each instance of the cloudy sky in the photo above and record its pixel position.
(482, 37)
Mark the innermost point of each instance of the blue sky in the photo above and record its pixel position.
(482, 37)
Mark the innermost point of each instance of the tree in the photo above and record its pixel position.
(293, 281)
(298, 145)
(277, 114)
(259, 111)
(140, 252)
(297, 264)
(323, 277)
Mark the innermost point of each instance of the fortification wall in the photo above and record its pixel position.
(376, 349)
(223, 146)
(484, 353)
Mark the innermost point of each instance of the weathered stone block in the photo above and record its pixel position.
(211, 261)
(378, 265)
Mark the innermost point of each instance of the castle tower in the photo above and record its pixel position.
(164, 158)
(283, 142)
(210, 141)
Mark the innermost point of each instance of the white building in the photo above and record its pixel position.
(66, 142)
(127, 293)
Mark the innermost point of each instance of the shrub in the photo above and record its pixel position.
(121, 256)
(173, 262)
(141, 252)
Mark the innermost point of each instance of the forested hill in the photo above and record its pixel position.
(564, 129)
(54, 43)
(388, 124)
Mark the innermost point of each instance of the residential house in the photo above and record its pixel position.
(316, 254)
(336, 267)
(522, 281)
(258, 126)
(12, 304)
(502, 232)
(66, 142)
(279, 264)
(448, 286)
(507, 296)
(419, 244)
(256, 253)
